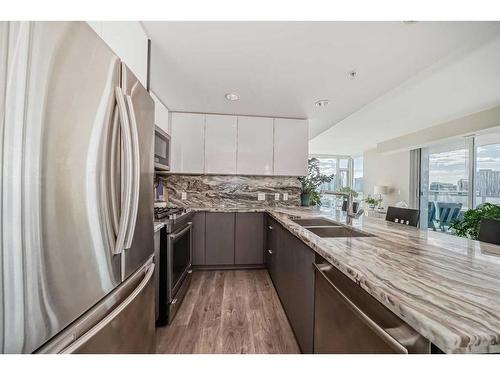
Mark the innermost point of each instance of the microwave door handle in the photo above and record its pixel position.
(136, 173)
(127, 180)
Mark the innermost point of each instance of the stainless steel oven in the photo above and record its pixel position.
(179, 259)
(162, 150)
(175, 263)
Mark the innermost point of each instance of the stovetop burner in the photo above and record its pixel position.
(168, 212)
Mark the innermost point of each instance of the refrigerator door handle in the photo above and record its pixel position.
(127, 188)
(115, 137)
(136, 173)
(95, 330)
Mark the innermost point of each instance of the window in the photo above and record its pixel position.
(342, 167)
(357, 184)
(445, 184)
(487, 170)
(458, 175)
(328, 166)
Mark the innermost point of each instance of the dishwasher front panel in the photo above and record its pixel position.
(350, 321)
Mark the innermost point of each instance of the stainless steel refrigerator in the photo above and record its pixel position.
(76, 194)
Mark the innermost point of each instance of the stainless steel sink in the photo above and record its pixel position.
(335, 232)
(316, 222)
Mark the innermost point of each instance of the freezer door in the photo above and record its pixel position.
(139, 244)
(58, 245)
(124, 322)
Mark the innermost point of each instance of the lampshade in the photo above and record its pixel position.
(380, 189)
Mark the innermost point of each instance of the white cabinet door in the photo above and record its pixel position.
(255, 146)
(291, 147)
(188, 139)
(220, 144)
(161, 114)
(129, 41)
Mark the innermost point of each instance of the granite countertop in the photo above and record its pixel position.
(447, 288)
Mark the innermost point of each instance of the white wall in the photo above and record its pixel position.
(392, 170)
(474, 123)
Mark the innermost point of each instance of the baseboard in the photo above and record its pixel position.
(228, 267)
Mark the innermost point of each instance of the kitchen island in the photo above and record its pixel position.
(447, 288)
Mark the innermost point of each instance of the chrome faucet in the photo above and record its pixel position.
(350, 214)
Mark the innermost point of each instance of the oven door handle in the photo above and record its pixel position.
(181, 232)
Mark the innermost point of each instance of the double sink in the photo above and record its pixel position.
(329, 229)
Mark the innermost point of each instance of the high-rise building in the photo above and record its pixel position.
(463, 184)
(488, 183)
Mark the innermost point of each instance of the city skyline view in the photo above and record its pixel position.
(452, 166)
(449, 176)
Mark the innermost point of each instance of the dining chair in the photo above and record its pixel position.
(489, 231)
(447, 213)
(431, 215)
(406, 216)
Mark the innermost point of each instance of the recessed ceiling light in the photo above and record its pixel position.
(232, 96)
(322, 103)
(352, 74)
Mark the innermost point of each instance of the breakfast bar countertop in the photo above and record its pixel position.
(446, 287)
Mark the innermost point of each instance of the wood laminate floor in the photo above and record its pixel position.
(229, 312)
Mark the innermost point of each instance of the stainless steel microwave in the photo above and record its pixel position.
(162, 150)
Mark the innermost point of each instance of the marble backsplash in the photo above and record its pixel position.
(231, 191)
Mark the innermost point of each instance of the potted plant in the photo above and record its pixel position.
(372, 202)
(469, 225)
(310, 184)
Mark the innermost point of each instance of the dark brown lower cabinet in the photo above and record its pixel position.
(228, 239)
(249, 238)
(198, 239)
(270, 252)
(290, 264)
(219, 238)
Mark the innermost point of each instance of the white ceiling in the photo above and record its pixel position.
(281, 68)
(446, 91)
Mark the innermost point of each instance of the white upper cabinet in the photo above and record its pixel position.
(129, 41)
(220, 144)
(255, 146)
(291, 147)
(161, 114)
(243, 145)
(188, 142)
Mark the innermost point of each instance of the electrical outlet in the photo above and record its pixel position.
(261, 196)
(276, 196)
(285, 196)
(183, 196)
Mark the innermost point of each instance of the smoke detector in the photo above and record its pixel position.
(352, 74)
